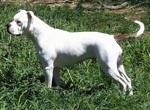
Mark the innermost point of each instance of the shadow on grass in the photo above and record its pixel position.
(69, 86)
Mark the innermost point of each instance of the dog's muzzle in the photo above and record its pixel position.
(8, 26)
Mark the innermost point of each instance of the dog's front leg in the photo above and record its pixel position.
(56, 76)
(49, 74)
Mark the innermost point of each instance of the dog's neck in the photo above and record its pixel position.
(34, 30)
(40, 31)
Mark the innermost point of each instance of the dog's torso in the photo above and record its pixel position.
(68, 48)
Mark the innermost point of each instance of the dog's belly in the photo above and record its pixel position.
(65, 60)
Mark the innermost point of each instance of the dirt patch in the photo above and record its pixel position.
(52, 3)
(131, 14)
(89, 7)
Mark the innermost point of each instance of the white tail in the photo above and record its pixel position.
(119, 37)
(141, 30)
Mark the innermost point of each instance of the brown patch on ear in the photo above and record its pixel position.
(29, 16)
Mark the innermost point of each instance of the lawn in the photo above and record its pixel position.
(84, 86)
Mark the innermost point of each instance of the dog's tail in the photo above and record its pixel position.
(119, 37)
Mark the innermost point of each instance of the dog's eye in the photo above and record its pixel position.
(18, 22)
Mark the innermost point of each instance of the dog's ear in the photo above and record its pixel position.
(30, 15)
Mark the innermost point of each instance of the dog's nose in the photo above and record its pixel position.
(8, 25)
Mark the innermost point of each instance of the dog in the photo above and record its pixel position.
(58, 48)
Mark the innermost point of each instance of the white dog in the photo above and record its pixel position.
(57, 48)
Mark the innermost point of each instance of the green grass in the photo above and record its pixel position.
(85, 86)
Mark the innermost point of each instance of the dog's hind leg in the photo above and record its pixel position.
(123, 74)
(112, 71)
(109, 66)
(108, 62)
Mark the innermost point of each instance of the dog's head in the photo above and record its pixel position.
(21, 22)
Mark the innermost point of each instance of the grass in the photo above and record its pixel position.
(85, 86)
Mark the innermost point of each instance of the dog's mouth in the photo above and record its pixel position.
(12, 33)
(8, 31)
(8, 26)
